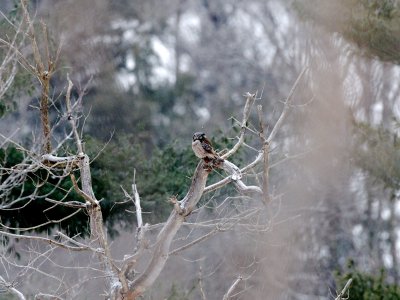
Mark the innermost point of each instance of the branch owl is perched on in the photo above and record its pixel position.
(203, 148)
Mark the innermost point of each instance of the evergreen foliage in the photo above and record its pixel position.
(35, 210)
(376, 151)
(159, 175)
(367, 286)
(373, 25)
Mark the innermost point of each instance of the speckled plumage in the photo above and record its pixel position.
(203, 148)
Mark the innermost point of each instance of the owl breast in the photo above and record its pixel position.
(198, 149)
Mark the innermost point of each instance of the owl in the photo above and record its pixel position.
(203, 148)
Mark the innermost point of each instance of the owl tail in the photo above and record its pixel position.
(213, 162)
(217, 161)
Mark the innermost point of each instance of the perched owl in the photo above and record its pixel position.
(202, 148)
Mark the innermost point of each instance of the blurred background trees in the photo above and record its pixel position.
(162, 70)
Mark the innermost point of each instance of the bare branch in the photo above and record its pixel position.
(250, 98)
(47, 240)
(71, 118)
(72, 204)
(198, 240)
(346, 287)
(42, 296)
(203, 294)
(161, 249)
(235, 177)
(260, 156)
(137, 203)
(42, 74)
(43, 224)
(232, 288)
(286, 106)
(265, 150)
(11, 289)
(35, 48)
(82, 193)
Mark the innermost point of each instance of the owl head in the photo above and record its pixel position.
(199, 136)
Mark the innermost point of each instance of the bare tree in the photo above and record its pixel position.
(122, 278)
(10, 52)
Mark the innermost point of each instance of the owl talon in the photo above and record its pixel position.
(207, 167)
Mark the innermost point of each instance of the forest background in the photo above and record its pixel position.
(153, 73)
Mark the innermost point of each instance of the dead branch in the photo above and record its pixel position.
(72, 204)
(250, 98)
(43, 74)
(43, 224)
(236, 176)
(286, 105)
(265, 151)
(198, 240)
(260, 156)
(42, 296)
(344, 290)
(232, 288)
(203, 294)
(71, 118)
(9, 64)
(137, 203)
(9, 287)
(161, 249)
(49, 241)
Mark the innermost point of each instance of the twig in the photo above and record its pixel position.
(198, 240)
(286, 106)
(265, 150)
(235, 177)
(137, 202)
(346, 287)
(250, 98)
(43, 224)
(42, 296)
(73, 204)
(70, 116)
(271, 136)
(232, 288)
(42, 74)
(10, 288)
(203, 294)
(82, 193)
(48, 241)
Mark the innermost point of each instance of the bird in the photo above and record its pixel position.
(203, 149)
